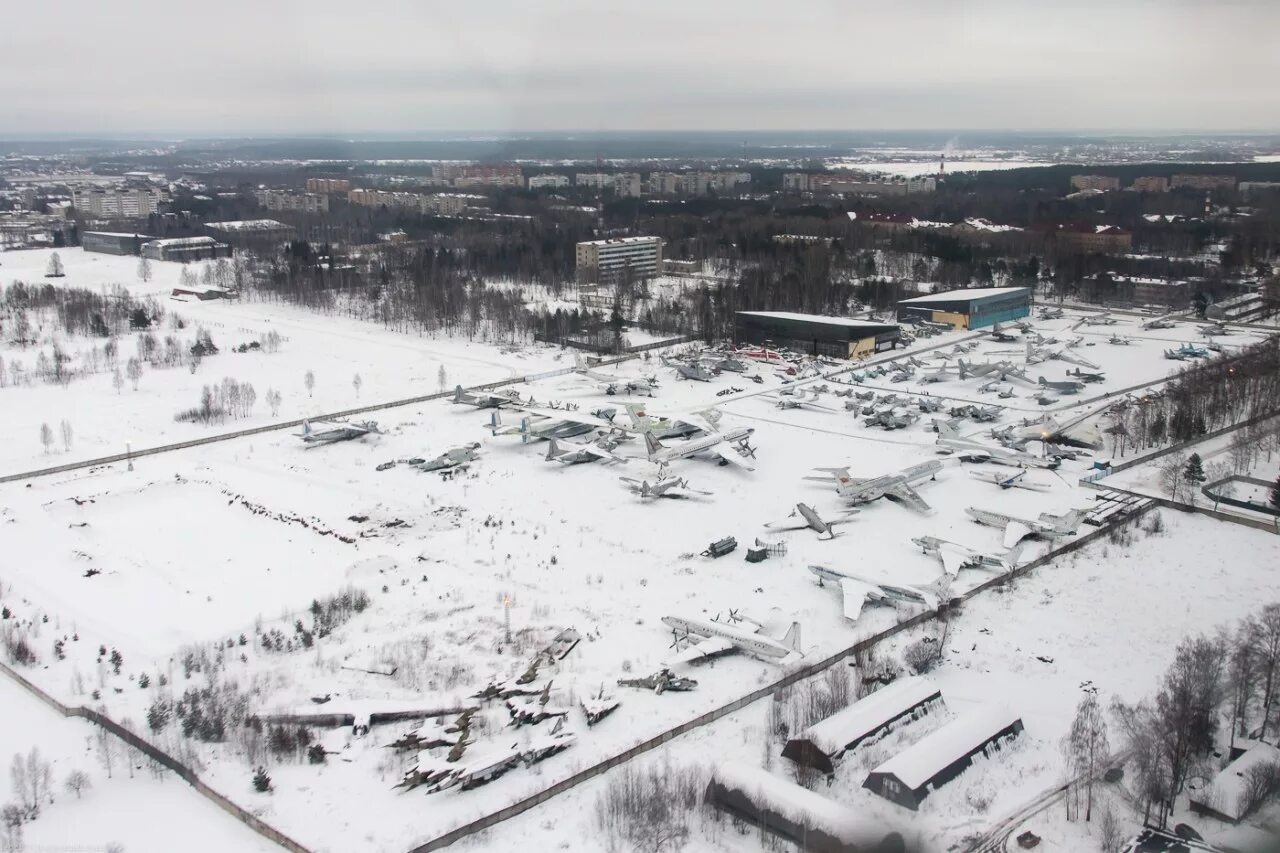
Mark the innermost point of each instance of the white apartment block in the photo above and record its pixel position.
(622, 184)
(607, 261)
(696, 183)
(133, 202)
(284, 200)
(537, 182)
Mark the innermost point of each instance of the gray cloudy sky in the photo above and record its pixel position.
(279, 66)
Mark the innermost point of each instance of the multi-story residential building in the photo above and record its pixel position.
(795, 182)
(1151, 184)
(1251, 187)
(284, 200)
(328, 185)
(878, 186)
(447, 204)
(696, 183)
(538, 182)
(664, 183)
(1095, 182)
(621, 184)
(382, 198)
(1204, 182)
(475, 175)
(608, 261)
(124, 202)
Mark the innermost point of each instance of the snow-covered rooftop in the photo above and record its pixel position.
(869, 714)
(1223, 794)
(920, 762)
(970, 293)
(816, 318)
(246, 225)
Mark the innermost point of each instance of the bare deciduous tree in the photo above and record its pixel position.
(309, 380)
(46, 436)
(77, 782)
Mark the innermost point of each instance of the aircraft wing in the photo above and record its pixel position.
(909, 496)
(567, 415)
(1015, 532)
(729, 455)
(600, 453)
(707, 648)
(788, 523)
(855, 596)
(952, 561)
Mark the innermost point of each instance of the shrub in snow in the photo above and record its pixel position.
(261, 781)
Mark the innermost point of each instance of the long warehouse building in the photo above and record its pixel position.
(974, 308)
(814, 334)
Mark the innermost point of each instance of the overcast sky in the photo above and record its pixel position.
(277, 66)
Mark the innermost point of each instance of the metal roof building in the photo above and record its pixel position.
(941, 756)
(865, 721)
(974, 308)
(839, 337)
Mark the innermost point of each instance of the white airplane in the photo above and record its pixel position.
(1065, 386)
(535, 427)
(706, 638)
(1016, 529)
(799, 401)
(1215, 327)
(971, 450)
(1102, 319)
(576, 454)
(1037, 354)
(672, 424)
(664, 487)
(1165, 321)
(941, 374)
(1009, 479)
(858, 591)
(731, 446)
(485, 400)
(897, 487)
(1073, 431)
(611, 385)
(805, 517)
(336, 431)
(955, 556)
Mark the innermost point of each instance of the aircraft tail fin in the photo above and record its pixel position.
(553, 450)
(945, 428)
(652, 445)
(495, 422)
(639, 419)
(525, 432)
(457, 394)
(791, 639)
(306, 427)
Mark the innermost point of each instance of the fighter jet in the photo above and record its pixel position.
(731, 447)
(1215, 327)
(693, 371)
(938, 375)
(889, 419)
(1065, 386)
(799, 401)
(998, 333)
(955, 556)
(1009, 480)
(535, 426)
(857, 591)
(454, 457)
(896, 487)
(1001, 390)
(1041, 353)
(675, 425)
(805, 517)
(1187, 351)
(576, 454)
(1086, 376)
(1051, 314)
(1118, 340)
(332, 431)
(1016, 529)
(929, 404)
(971, 450)
(704, 638)
(663, 487)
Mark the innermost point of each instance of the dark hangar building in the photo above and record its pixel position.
(974, 308)
(838, 337)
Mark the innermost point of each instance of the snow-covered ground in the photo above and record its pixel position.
(170, 564)
(132, 808)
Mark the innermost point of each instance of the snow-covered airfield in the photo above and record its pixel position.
(172, 562)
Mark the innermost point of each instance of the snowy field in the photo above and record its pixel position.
(392, 365)
(184, 564)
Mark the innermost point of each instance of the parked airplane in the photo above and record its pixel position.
(1002, 391)
(857, 591)
(938, 375)
(971, 450)
(1118, 340)
(719, 444)
(1164, 321)
(611, 385)
(805, 517)
(331, 431)
(1009, 479)
(897, 487)
(1086, 376)
(1037, 354)
(1016, 529)
(761, 354)
(454, 457)
(485, 400)
(677, 425)
(1187, 351)
(538, 426)
(889, 419)
(1073, 432)
(1102, 319)
(1215, 327)
(705, 638)
(955, 556)
(1065, 386)
(799, 401)
(1051, 314)
(663, 487)
(576, 454)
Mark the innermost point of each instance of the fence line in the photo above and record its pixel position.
(160, 757)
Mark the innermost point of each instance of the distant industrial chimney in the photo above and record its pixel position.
(942, 165)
